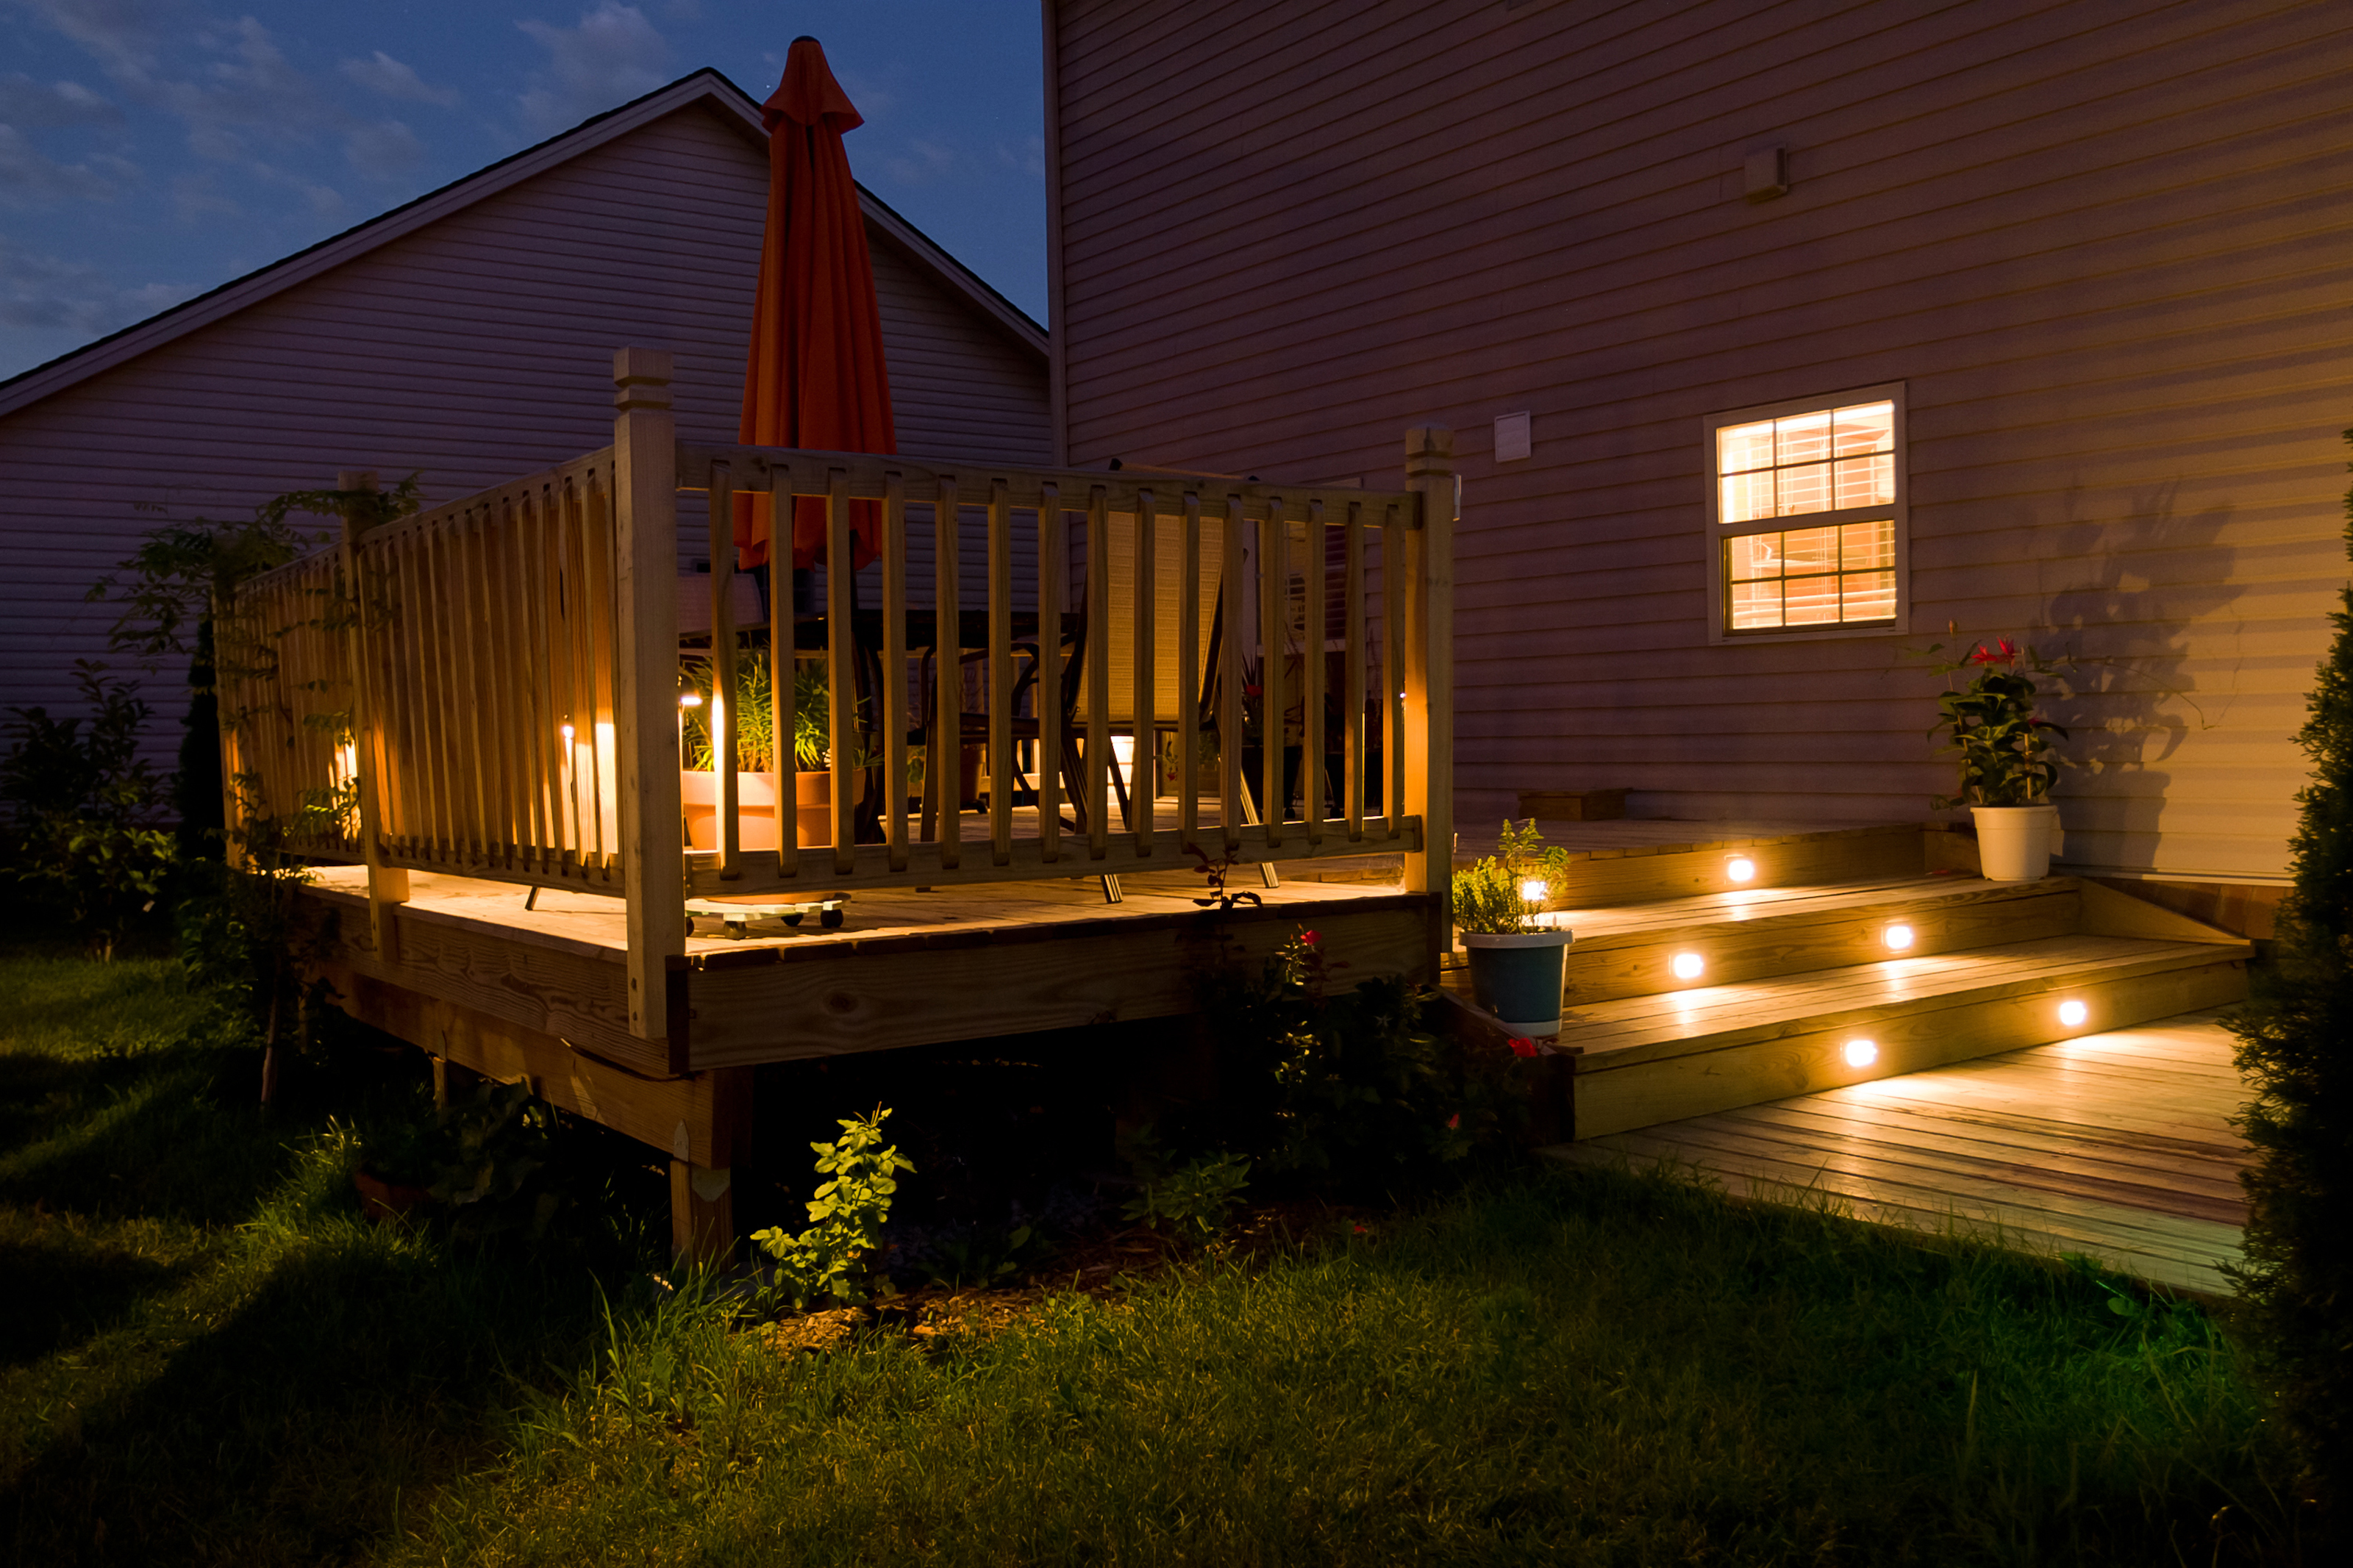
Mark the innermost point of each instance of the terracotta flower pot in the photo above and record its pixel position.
(756, 809)
(1518, 977)
(813, 808)
(2014, 841)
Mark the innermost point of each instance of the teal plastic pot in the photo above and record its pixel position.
(1518, 978)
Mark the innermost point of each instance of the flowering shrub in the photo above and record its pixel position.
(1991, 724)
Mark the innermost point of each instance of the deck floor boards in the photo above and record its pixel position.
(2117, 1144)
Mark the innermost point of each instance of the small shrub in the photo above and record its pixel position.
(1196, 1200)
(82, 811)
(484, 1160)
(833, 1258)
(2297, 1284)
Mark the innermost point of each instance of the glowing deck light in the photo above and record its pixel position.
(2073, 1013)
(1861, 1053)
(1740, 869)
(690, 698)
(567, 731)
(1898, 939)
(1688, 966)
(1535, 890)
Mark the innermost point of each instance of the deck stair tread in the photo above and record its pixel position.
(1638, 1028)
(1748, 910)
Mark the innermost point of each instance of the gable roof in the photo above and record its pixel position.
(705, 86)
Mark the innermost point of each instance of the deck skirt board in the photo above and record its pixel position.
(1983, 1147)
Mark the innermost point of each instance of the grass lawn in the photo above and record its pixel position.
(205, 1355)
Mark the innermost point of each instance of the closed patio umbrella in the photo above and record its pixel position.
(814, 377)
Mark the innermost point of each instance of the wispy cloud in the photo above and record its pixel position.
(26, 102)
(386, 150)
(612, 56)
(396, 79)
(30, 177)
(44, 292)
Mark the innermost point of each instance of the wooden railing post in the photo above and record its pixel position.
(645, 682)
(1429, 647)
(387, 885)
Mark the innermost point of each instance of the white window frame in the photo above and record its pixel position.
(1718, 532)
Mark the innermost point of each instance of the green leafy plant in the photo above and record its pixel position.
(81, 811)
(483, 1159)
(1196, 1200)
(833, 1258)
(1490, 897)
(2297, 1282)
(1990, 725)
(756, 717)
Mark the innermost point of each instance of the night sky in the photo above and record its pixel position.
(150, 150)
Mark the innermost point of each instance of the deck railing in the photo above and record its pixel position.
(490, 688)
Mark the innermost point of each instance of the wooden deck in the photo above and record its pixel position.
(2118, 1145)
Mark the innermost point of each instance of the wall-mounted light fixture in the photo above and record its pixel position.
(1765, 174)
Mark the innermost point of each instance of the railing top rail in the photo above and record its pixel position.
(300, 566)
(810, 473)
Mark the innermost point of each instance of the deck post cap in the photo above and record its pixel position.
(641, 378)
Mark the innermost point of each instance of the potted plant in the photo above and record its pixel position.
(755, 778)
(1516, 962)
(2005, 761)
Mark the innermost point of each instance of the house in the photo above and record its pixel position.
(2064, 286)
(467, 337)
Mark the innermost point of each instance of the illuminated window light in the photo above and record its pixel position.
(1861, 1053)
(1898, 939)
(1688, 966)
(1740, 869)
(2073, 1013)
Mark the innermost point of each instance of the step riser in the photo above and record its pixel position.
(1909, 1037)
(1633, 879)
(1738, 952)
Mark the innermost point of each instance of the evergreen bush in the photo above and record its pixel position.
(2296, 1048)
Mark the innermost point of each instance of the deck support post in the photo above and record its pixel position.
(703, 1181)
(387, 885)
(645, 680)
(1429, 647)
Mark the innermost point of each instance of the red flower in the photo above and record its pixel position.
(1253, 690)
(1524, 1048)
(1311, 937)
(2003, 652)
(1454, 1122)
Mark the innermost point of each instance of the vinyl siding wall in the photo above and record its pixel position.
(475, 350)
(2107, 247)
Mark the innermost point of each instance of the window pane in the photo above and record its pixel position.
(1810, 550)
(1869, 596)
(1755, 606)
(1802, 439)
(1804, 490)
(1746, 495)
(1740, 446)
(1867, 546)
(1865, 427)
(1754, 555)
(1810, 601)
(1866, 482)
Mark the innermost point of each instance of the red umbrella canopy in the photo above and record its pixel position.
(814, 377)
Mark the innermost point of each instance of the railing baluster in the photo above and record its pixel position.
(1274, 621)
(1098, 670)
(784, 670)
(1352, 580)
(1188, 678)
(1142, 758)
(943, 755)
(894, 668)
(842, 668)
(1310, 687)
(1393, 664)
(1053, 582)
(720, 723)
(1000, 674)
(1229, 682)
(600, 626)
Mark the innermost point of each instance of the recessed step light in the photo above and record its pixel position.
(2073, 1013)
(1861, 1053)
(1740, 869)
(1688, 965)
(1898, 938)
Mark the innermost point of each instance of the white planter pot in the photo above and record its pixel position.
(1518, 978)
(2014, 841)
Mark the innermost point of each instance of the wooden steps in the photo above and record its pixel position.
(2118, 1144)
(1800, 988)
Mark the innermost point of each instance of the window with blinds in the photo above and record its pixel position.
(1807, 514)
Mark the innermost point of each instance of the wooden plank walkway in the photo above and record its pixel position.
(2118, 1145)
